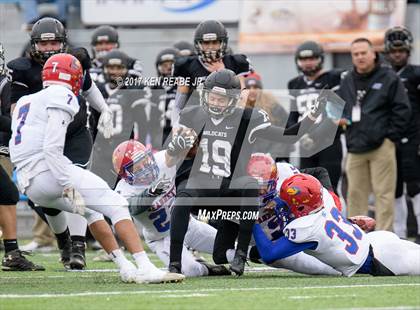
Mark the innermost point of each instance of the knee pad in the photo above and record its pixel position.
(413, 188)
(50, 211)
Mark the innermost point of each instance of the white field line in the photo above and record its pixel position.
(208, 290)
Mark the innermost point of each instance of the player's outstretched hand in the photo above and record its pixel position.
(318, 105)
(366, 223)
(76, 200)
(183, 139)
(105, 122)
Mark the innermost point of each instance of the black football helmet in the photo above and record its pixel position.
(168, 54)
(2, 61)
(115, 67)
(225, 86)
(103, 34)
(210, 30)
(185, 48)
(47, 29)
(309, 49)
(398, 37)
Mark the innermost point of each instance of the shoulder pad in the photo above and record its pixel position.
(239, 58)
(181, 61)
(21, 64)
(62, 98)
(292, 82)
(82, 55)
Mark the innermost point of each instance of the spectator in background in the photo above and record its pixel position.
(266, 101)
(377, 112)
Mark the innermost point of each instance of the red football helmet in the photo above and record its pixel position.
(302, 193)
(63, 69)
(135, 163)
(263, 168)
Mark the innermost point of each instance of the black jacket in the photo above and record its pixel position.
(385, 110)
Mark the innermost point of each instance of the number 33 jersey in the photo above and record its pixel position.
(341, 244)
(155, 222)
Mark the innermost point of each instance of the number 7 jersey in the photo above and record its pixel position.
(341, 244)
(29, 123)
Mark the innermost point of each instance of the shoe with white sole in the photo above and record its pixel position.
(151, 274)
(129, 273)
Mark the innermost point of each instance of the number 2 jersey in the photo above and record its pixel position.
(340, 244)
(155, 222)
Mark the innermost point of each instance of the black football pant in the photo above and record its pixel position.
(243, 198)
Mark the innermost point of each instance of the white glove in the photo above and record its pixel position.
(76, 200)
(105, 122)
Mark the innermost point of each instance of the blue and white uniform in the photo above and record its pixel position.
(155, 223)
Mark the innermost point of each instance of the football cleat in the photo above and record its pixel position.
(16, 261)
(129, 273)
(216, 270)
(65, 253)
(238, 264)
(149, 273)
(175, 267)
(77, 256)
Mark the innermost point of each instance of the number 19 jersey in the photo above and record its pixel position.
(341, 244)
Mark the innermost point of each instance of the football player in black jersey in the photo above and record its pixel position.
(398, 45)
(163, 93)
(48, 37)
(304, 89)
(210, 42)
(216, 169)
(14, 259)
(105, 39)
(131, 110)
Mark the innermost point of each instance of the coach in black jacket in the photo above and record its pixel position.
(377, 112)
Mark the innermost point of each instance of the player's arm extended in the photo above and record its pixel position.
(271, 251)
(53, 145)
(289, 135)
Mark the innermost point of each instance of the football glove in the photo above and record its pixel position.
(76, 200)
(182, 140)
(105, 122)
(318, 106)
(160, 186)
(4, 150)
(366, 223)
